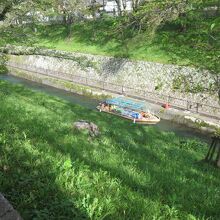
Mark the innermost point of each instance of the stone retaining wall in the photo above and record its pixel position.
(162, 78)
(189, 119)
(61, 84)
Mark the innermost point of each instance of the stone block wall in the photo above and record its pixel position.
(142, 75)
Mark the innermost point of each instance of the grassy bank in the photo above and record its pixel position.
(198, 45)
(50, 171)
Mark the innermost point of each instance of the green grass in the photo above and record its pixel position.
(198, 46)
(101, 39)
(48, 170)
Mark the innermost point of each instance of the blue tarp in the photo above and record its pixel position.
(128, 112)
(126, 103)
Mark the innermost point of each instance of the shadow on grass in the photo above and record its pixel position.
(149, 165)
(29, 182)
(99, 33)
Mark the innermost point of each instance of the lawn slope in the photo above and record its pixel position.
(197, 46)
(50, 171)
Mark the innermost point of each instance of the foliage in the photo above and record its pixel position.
(217, 133)
(190, 22)
(23, 11)
(70, 8)
(186, 84)
(151, 14)
(3, 60)
(82, 61)
(50, 171)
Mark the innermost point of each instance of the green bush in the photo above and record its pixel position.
(3, 69)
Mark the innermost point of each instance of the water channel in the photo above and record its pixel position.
(87, 102)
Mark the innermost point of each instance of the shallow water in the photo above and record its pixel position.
(71, 97)
(87, 102)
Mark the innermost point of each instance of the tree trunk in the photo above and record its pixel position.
(219, 95)
(69, 22)
(4, 12)
(118, 2)
(214, 149)
(135, 4)
(183, 27)
(124, 4)
(218, 161)
(64, 18)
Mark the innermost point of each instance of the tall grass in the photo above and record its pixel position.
(48, 170)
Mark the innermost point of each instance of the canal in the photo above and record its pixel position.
(90, 103)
